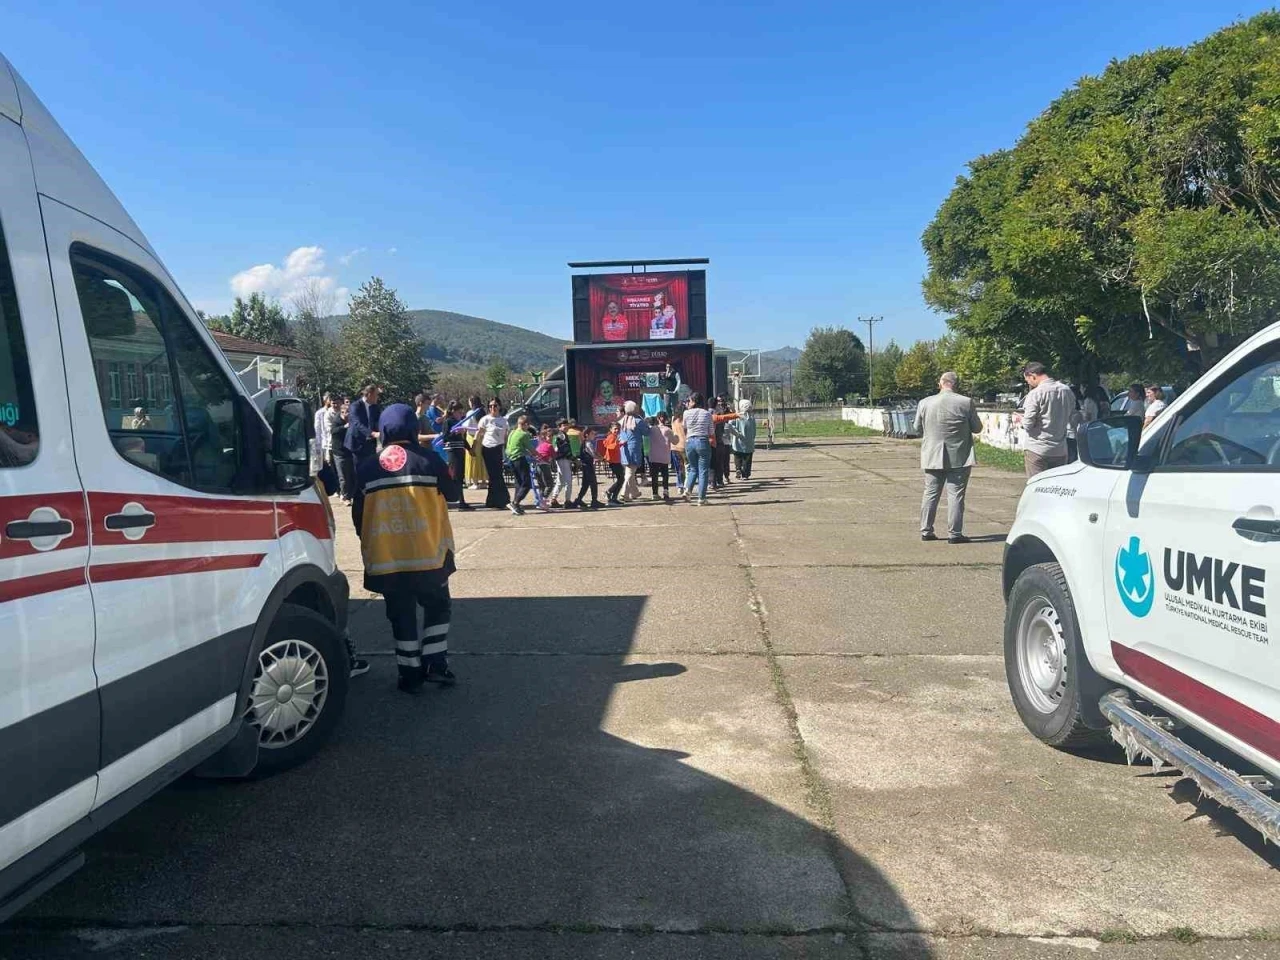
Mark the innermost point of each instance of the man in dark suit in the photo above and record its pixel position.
(946, 423)
(362, 435)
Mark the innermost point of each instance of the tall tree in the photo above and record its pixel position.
(497, 377)
(884, 367)
(380, 345)
(327, 370)
(833, 364)
(1136, 223)
(257, 319)
(918, 372)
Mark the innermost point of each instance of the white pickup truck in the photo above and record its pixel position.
(1140, 586)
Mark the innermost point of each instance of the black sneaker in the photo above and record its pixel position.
(441, 675)
(359, 667)
(928, 536)
(959, 538)
(410, 685)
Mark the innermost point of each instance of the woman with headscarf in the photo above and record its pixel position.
(476, 475)
(632, 429)
(742, 439)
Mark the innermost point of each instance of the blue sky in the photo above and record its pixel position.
(465, 152)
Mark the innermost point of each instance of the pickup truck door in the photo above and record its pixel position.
(1195, 546)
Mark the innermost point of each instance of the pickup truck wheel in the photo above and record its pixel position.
(299, 688)
(1054, 688)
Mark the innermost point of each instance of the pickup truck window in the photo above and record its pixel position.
(1236, 428)
(169, 408)
(19, 434)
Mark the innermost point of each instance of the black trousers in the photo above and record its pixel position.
(458, 467)
(619, 478)
(663, 471)
(524, 479)
(587, 481)
(430, 648)
(498, 495)
(346, 466)
(742, 461)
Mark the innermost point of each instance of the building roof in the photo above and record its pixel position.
(230, 344)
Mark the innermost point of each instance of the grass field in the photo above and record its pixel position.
(987, 456)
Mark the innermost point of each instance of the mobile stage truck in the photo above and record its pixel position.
(637, 336)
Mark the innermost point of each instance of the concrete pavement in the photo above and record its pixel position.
(775, 726)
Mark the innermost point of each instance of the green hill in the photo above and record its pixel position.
(457, 339)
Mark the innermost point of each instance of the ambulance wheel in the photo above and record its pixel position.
(299, 688)
(1054, 688)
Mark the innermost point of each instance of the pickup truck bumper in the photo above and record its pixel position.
(1141, 735)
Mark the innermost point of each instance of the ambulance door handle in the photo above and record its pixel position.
(36, 529)
(1256, 529)
(132, 522)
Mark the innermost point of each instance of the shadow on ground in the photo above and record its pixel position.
(499, 806)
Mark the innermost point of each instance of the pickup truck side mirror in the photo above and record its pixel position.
(291, 429)
(1112, 444)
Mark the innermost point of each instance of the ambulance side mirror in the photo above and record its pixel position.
(291, 430)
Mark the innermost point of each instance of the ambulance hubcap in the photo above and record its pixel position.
(1042, 656)
(288, 694)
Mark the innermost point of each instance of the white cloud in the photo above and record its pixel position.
(346, 258)
(392, 250)
(303, 268)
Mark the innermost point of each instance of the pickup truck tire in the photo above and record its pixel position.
(299, 688)
(1054, 688)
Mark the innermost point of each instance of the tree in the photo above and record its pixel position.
(497, 377)
(326, 369)
(884, 367)
(257, 319)
(379, 344)
(918, 372)
(983, 365)
(1136, 223)
(832, 365)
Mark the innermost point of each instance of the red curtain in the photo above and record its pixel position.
(634, 294)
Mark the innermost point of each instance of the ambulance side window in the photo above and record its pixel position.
(169, 408)
(19, 433)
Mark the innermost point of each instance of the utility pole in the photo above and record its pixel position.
(871, 355)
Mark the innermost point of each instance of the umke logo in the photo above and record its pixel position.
(1135, 579)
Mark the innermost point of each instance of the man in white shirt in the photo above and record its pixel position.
(1046, 412)
(322, 424)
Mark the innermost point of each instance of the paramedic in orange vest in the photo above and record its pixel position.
(401, 513)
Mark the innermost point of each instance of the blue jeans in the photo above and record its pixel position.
(697, 451)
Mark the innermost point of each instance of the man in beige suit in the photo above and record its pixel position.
(946, 423)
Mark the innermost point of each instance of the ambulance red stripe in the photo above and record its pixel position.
(33, 586)
(139, 569)
(1242, 722)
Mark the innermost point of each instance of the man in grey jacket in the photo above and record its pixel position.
(946, 423)
(1048, 409)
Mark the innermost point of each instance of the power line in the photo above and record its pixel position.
(871, 355)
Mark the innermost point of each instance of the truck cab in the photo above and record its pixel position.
(1139, 585)
(548, 403)
(169, 597)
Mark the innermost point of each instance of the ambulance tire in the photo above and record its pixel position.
(1054, 688)
(299, 623)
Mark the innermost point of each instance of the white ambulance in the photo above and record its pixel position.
(168, 592)
(1141, 587)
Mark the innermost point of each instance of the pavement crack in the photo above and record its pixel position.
(817, 795)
